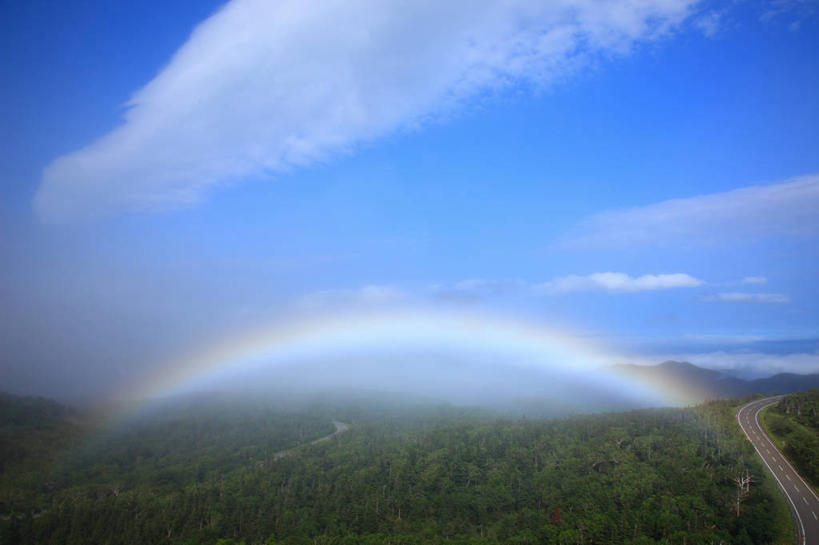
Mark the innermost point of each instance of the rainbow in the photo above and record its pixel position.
(469, 335)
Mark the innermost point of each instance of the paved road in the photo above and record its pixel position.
(804, 501)
(341, 427)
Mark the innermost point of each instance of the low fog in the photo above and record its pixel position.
(433, 378)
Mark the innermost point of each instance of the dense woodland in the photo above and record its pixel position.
(794, 421)
(207, 473)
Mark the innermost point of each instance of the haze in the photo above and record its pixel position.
(640, 180)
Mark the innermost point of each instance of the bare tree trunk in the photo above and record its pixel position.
(743, 488)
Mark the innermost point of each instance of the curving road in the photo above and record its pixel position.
(803, 500)
(341, 427)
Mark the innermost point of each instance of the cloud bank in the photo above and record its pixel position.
(787, 208)
(616, 282)
(263, 86)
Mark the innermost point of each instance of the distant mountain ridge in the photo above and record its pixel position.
(703, 384)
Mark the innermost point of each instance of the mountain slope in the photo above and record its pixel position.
(703, 384)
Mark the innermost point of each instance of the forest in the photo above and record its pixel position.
(206, 471)
(794, 424)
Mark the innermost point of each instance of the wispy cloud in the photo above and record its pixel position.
(616, 282)
(263, 86)
(725, 339)
(371, 295)
(475, 289)
(743, 297)
(787, 208)
(708, 23)
(792, 12)
(754, 280)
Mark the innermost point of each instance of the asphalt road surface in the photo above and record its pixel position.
(804, 501)
(341, 427)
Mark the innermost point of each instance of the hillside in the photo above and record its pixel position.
(199, 474)
(32, 431)
(705, 384)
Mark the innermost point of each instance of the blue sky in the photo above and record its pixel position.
(645, 175)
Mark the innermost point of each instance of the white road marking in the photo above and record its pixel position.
(757, 409)
(806, 501)
(788, 476)
(780, 468)
(814, 515)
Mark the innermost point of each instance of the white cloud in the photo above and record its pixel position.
(787, 208)
(372, 295)
(754, 280)
(616, 282)
(742, 297)
(264, 86)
